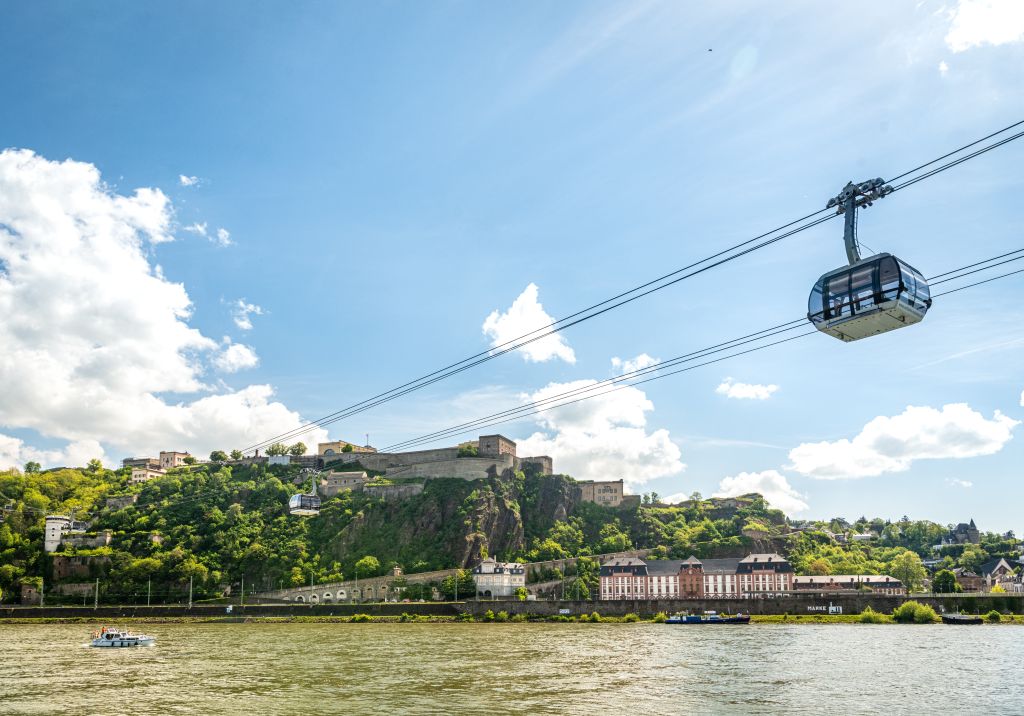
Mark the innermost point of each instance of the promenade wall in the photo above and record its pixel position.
(803, 604)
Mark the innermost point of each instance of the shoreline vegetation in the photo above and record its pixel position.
(867, 617)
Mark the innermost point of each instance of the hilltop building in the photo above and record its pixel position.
(607, 492)
(145, 474)
(498, 579)
(495, 454)
(963, 533)
(692, 578)
(334, 482)
(339, 447)
(171, 458)
(149, 462)
(56, 526)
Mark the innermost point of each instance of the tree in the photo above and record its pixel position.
(696, 496)
(944, 582)
(467, 586)
(368, 566)
(218, 456)
(521, 593)
(972, 557)
(998, 589)
(277, 449)
(298, 448)
(347, 448)
(94, 465)
(189, 460)
(236, 454)
(907, 568)
(32, 467)
(655, 497)
(819, 567)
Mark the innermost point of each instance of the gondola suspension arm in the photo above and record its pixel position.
(852, 197)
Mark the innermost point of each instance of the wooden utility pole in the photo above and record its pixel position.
(96, 595)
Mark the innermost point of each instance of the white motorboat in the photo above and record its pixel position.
(107, 637)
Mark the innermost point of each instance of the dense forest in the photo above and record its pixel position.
(215, 524)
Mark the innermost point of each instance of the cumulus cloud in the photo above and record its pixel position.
(771, 484)
(187, 180)
(633, 364)
(223, 238)
(236, 357)
(985, 22)
(892, 444)
(94, 335)
(943, 68)
(745, 391)
(197, 228)
(15, 453)
(960, 483)
(241, 312)
(526, 314)
(604, 438)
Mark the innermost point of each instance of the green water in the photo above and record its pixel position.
(495, 669)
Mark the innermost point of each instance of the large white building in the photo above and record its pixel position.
(56, 526)
(498, 579)
(634, 578)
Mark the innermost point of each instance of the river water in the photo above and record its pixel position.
(493, 669)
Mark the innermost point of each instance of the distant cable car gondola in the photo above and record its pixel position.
(872, 295)
(305, 505)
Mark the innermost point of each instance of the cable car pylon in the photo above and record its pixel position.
(869, 296)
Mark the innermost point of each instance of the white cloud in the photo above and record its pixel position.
(236, 357)
(675, 498)
(1022, 398)
(604, 438)
(745, 391)
(15, 453)
(630, 365)
(771, 484)
(188, 181)
(943, 68)
(94, 335)
(526, 314)
(892, 444)
(960, 483)
(241, 312)
(223, 238)
(197, 228)
(985, 22)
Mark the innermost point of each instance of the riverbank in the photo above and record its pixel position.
(500, 617)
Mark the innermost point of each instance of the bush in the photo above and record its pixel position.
(488, 616)
(870, 616)
(465, 617)
(501, 616)
(518, 618)
(404, 617)
(914, 612)
(994, 617)
(360, 618)
(595, 617)
(660, 618)
(631, 617)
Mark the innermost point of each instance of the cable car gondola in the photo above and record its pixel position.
(870, 296)
(306, 505)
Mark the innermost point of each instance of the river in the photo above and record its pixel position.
(494, 669)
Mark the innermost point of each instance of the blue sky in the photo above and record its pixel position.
(389, 175)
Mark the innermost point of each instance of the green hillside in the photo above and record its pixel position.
(218, 524)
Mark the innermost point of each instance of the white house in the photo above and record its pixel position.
(498, 579)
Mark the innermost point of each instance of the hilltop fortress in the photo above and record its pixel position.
(488, 456)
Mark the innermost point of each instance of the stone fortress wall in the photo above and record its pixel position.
(496, 454)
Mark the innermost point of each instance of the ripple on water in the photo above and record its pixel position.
(494, 669)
